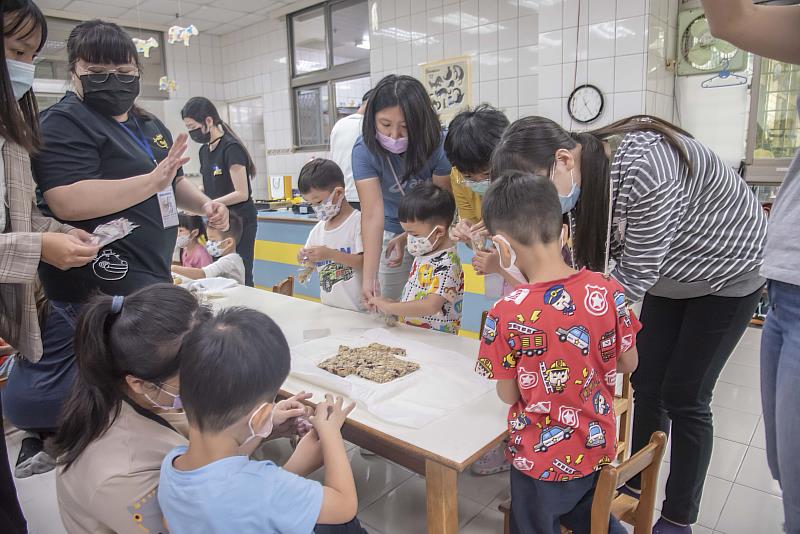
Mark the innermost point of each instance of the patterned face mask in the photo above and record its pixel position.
(328, 209)
(214, 248)
(419, 246)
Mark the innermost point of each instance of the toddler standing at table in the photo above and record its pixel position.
(554, 346)
(434, 294)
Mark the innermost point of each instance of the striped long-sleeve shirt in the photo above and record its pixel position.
(693, 232)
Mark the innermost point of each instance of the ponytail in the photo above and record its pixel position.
(530, 145)
(139, 335)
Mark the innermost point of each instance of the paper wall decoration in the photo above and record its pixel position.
(143, 46)
(167, 85)
(180, 33)
(449, 84)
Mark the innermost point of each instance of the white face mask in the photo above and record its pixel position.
(263, 433)
(328, 209)
(183, 241)
(512, 269)
(176, 400)
(419, 246)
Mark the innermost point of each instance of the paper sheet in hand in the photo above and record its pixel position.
(112, 231)
(444, 382)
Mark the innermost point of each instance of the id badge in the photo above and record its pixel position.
(168, 207)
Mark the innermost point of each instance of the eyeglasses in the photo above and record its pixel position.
(101, 77)
(463, 178)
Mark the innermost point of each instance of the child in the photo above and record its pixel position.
(222, 247)
(555, 346)
(334, 244)
(231, 370)
(190, 230)
(433, 295)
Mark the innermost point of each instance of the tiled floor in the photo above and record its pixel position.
(739, 496)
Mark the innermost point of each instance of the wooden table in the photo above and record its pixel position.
(438, 451)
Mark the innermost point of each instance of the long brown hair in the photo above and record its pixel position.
(19, 121)
(530, 145)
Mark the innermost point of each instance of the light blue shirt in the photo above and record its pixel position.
(237, 495)
(368, 165)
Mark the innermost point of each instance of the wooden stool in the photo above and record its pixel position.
(607, 501)
(285, 287)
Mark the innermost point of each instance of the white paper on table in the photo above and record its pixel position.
(444, 382)
(210, 287)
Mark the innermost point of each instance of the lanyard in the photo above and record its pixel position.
(396, 179)
(140, 140)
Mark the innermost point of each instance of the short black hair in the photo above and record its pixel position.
(320, 173)
(427, 202)
(192, 222)
(472, 137)
(229, 365)
(523, 206)
(234, 229)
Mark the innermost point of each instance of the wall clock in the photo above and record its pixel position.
(585, 104)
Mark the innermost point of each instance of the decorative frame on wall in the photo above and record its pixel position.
(449, 84)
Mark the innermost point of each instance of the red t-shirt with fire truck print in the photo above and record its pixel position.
(560, 341)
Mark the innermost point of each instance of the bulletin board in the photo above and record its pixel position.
(449, 84)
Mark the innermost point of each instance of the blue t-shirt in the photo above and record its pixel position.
(368, 165)
(237, 495)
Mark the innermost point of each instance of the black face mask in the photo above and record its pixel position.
(112, 97)
(198, 136)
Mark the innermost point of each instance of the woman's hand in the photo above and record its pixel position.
(162, 176)
(395, 249)
(66, 251)
(83, 235)
(486, 262)
(370, 289)
(217, 214)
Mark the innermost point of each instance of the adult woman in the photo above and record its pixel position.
(27, 237)
(227, 169)
(119, 421)
(771, 31)
(102, 159)
(400, 146)
(686, 235)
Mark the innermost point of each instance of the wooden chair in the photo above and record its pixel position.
(285, 287)
(607, 501)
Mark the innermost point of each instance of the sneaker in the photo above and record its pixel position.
(665, 526)
(32, 459)
(492, 462)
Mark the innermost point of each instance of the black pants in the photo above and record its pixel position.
(247, 244)
(11, 518)
(539, 507)
(682, 349)
(353, 527)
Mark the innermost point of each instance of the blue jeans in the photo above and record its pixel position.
(780, 394)
(35, 392)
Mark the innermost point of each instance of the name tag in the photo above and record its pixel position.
(169, 207)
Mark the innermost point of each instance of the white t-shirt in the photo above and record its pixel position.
(339, 285)
(344, 135)
(230, 266)
(438, 273)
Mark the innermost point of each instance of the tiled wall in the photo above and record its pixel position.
(196, 68)
(661, 36)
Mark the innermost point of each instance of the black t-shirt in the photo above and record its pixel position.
(215, 166)
(81, 144)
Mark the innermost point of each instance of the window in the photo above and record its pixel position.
(774, 129)
(53, 66)
(330, 67)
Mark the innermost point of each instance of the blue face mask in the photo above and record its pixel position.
(21, 75)
(569, 201)
(479, 188)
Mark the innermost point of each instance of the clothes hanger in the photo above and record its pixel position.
(729, 79)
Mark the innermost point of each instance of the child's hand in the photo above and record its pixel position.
(486, 262)
(287, 413)
(331, 414)
(462, 231)
(317, 254)
(302, 256)
(381, 304)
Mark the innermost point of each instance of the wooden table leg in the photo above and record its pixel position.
(442, 483)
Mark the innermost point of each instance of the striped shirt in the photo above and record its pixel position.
(694, 233)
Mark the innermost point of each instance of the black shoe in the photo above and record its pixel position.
(32, 459)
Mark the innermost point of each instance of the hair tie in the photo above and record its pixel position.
(116, 304)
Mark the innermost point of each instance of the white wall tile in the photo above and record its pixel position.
(528, 90)
(452, 44)
(529, 30)
(403, 28)
(404, 54)
(488, 11)
(386, 10)
(469, 14)
(550, 108)
(433, 4)
(469, 42)
(550, 47)
(489, 92)
(572, 37)
(572, 14)
(601, 74)
(508, 9)
(629, 73)
(452, 17)
(602, 11)
(508, 34)
(418, 5)
(627, 104)
(602, 37)
(512, 113)
(435, 50)
(402, 8)
(630, 36)
(489, 66)
(630, 8)
(419, 24)
(573, 75)
(390, 57)
(550, 81)
(551, 15)
(435, 21)
(419, 52)
(509, 63)
(528, 60)
(488, 37)
(508, 95)
(528, 111)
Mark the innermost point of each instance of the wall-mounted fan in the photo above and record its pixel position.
(699, 52)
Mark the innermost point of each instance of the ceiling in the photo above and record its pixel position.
(211, 16)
